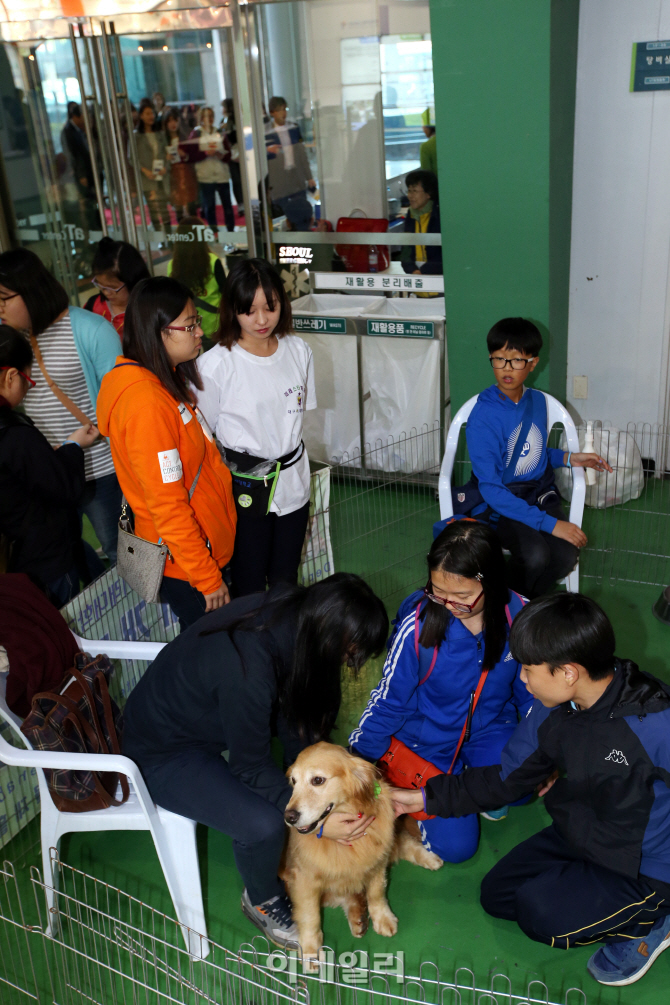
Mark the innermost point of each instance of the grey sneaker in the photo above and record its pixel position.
(274, 919)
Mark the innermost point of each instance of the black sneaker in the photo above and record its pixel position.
(274, 919)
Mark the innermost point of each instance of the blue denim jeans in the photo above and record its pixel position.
(101, 502)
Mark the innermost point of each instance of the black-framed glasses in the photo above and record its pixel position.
(185, 328)
(107, 289)
(500, 362)
(3, 299)
(461, 608)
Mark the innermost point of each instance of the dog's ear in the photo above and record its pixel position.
(365, 777)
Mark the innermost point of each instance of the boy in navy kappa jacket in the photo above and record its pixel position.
(514, 469)
(601, 871)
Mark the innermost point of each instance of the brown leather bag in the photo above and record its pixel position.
(81, 718)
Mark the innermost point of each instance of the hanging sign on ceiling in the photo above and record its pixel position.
(650, 67)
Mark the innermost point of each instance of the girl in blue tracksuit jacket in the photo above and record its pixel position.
(462, 627)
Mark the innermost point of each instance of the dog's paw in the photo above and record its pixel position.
(310, 964)
(358, 927)
(384, 922)
(429, 860)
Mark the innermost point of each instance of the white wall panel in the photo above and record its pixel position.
(620, 255)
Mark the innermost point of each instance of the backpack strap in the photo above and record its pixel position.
(418, 649)
(523, 600)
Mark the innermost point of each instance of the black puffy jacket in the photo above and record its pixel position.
(612, 803)
(39, 490)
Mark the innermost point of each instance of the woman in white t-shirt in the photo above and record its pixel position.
(257, 384)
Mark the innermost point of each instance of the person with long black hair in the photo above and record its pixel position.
(264, 665)
(451, 691)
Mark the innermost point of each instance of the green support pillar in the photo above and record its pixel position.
(505, 74)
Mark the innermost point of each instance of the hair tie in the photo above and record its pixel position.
(567, 463)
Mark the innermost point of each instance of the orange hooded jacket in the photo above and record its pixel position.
(157, 446)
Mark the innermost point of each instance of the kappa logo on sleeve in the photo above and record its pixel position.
(170, 465)
(617, 756)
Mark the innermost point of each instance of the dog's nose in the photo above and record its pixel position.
(291, 816)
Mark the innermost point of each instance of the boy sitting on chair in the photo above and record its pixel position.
(601, 871)
(507, 442)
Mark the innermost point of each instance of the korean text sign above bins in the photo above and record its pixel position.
(365, 281)
(650, 67)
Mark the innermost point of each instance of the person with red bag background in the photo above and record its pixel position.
(450, 694)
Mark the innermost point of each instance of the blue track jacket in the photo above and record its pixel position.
(491, 434)
(612, 801)
(429, 717)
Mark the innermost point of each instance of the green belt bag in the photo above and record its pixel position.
(255, 479)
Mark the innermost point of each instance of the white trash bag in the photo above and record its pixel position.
(620, 451)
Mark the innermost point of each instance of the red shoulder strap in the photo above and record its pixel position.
(478, 691)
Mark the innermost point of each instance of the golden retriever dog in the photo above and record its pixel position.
(325, 779)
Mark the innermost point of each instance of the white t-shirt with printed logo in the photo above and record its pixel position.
(256, 404)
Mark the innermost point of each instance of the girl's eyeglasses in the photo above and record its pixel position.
(461, 608)
(188, 328)
(29, 380)
(107, 289)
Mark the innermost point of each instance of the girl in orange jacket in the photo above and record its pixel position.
(160, 442)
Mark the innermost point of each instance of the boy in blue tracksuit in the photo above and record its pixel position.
(514, 469)
(601, 871)
(428, 717)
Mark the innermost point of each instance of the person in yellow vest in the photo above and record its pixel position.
(423, 217)
(428, 150)
(194, 265)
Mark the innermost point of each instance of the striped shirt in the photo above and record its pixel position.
(41, 404)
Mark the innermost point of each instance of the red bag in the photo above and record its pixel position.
(356, 256)
(407, 770)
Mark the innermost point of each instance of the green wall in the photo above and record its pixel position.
(504, 75)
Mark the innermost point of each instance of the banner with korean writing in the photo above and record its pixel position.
(333, 326)
(405, 329)
(377, 281)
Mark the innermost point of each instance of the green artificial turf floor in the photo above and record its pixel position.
(439, 915)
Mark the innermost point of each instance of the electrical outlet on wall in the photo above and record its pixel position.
(580, 387)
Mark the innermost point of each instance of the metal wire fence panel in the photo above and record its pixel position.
(18, 982)
(100, 946)
(382, 508)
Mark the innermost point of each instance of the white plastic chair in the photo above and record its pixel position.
(556, 414)
(173, 835)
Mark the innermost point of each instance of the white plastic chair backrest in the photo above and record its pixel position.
(13, 721)
(556, 414)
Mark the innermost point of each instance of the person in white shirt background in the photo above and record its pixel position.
(258, 381)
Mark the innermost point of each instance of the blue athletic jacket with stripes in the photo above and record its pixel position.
(429, 717)
(612, 801)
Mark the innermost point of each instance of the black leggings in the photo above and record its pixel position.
(538, 559)
(268, 550)
(559, 898)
